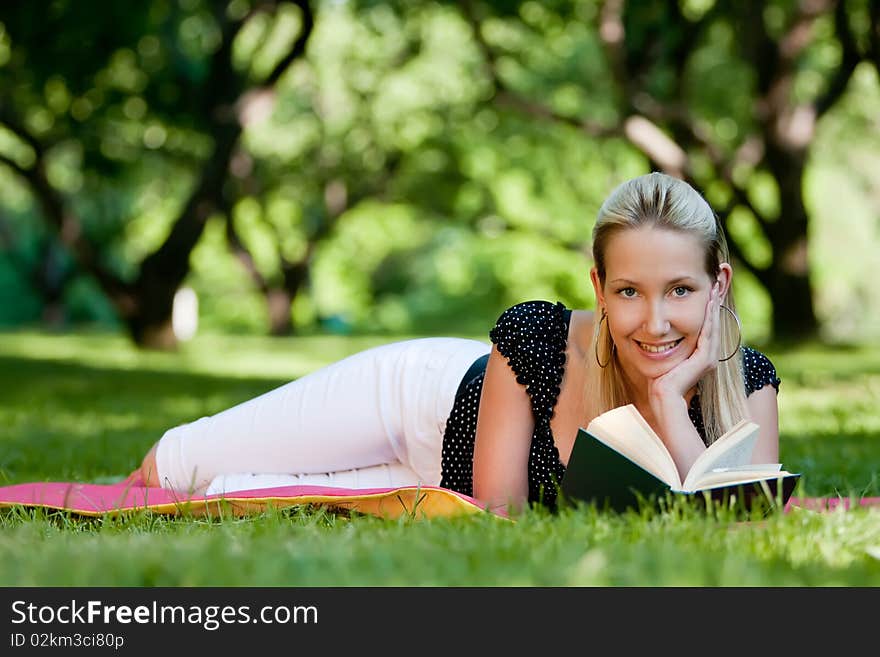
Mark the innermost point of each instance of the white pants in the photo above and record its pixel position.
(374, 419)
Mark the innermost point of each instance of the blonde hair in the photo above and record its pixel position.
(659, 200)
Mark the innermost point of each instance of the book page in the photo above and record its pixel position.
(737, 476)
(732, 449)
(763, 467)
(626, 431)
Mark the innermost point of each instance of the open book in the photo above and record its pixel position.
(619, 458)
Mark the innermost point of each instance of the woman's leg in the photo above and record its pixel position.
(386, 405)
(387, 475)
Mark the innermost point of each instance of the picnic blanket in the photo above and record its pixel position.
(99, 499)
(415, 501)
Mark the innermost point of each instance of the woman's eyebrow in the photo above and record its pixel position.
(626, 281)
(683, 279)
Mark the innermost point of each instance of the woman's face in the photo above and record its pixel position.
(655, 293)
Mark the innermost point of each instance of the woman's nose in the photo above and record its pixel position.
(657, 322)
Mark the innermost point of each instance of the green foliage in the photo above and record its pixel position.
(21, 306)
(228, 300)
(390, 88)
(841, 191)
(391, 114)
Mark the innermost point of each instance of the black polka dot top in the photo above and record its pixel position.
(532, 336)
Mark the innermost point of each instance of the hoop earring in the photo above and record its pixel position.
(613, 346)
(739, 334)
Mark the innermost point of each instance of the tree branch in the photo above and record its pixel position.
(724, 167)
(227, 106)
(241, 252)
(14, 125)
(67, 226)
(653, 142)
(874, 35)
(612, 34)
(299, 46)
(504, 96)
(850, 58)
(15, 166)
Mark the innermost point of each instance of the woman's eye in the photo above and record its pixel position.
(681, 291)
(628, 291)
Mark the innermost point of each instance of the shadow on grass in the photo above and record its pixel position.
(832, 361)
(67, 421)
(17, 375)
(835, 464)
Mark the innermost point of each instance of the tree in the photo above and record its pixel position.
(458, 136)
(765, 72)
(104, 95)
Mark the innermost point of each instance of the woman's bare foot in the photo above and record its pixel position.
(148, 474)
(134, 479)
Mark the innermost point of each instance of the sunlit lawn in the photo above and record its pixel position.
(86, 407)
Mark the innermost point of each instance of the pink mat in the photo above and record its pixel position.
(98, 499)
(417, 501)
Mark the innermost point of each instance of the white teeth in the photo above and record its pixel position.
(656, 350)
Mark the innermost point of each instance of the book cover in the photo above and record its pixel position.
(599, 474)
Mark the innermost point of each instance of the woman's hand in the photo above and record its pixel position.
(667, 394)
(680, 379)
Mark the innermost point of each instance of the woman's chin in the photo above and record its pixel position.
(653, 365)
(655, 371)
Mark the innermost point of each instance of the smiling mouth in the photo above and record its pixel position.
(658, 349)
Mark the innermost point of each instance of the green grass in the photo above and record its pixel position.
(86, 407)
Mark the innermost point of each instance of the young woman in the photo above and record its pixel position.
(498, 421)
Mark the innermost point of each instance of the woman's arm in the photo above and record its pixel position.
(764, 411)
(678, 433)
(666, 394)
(504, 433)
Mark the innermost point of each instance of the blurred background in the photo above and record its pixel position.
(171, 168)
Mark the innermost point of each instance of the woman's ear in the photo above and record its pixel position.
(597, 289)
(724, 278)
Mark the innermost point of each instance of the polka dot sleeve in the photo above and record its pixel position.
(531, 336)
(758, 371)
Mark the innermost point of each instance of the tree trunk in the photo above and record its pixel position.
(788, 278)
(793, 316)
(281, 300)
(279, 303)
(163, 272)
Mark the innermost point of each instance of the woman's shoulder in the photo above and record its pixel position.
(527, 316)
(758, 370)
(541, 322)
(531, 326)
